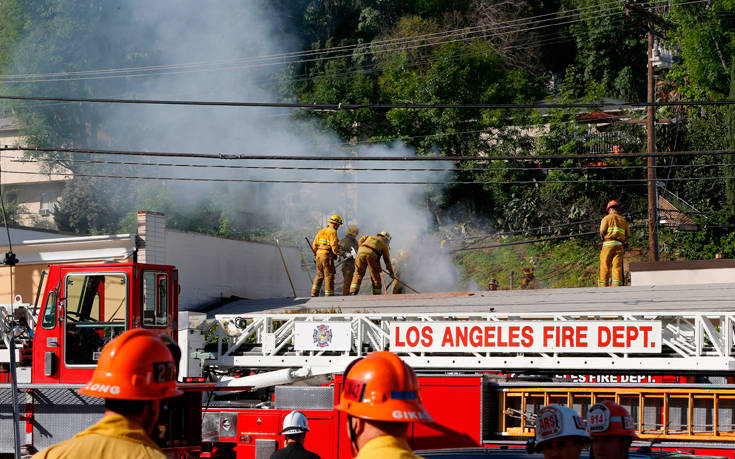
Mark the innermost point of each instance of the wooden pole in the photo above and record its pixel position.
(651, 148)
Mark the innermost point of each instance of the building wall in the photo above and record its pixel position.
(212, 268)
(28, 184)
(683, 272)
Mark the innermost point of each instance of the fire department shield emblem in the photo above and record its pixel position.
(322, 335)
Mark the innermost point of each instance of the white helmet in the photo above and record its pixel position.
(555, 421)
(295, 423)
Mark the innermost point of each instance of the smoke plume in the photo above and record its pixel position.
(207, 50)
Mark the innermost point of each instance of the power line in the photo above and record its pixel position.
(19, 159)
(229, 156)
(376, 182)
(341, 106)
(527, 241)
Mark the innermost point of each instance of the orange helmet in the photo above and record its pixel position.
(612, 203)
(610, 419)
(136, 365)
(382, 387)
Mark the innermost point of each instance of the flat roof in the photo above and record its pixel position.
(719, 298)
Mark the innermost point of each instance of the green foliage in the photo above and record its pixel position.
(572, 263)
(612, 63)
(706, 40)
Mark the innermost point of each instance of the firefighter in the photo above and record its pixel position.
(493, 284)
(326, 248)
(614, 232)
(346, 246)
(560, 433)
(135, 372)
(380, 397)
(295, 427)
(612, 429)
(529, 282)
(369, 253)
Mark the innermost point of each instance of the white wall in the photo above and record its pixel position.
(683, 276)
(211, 268)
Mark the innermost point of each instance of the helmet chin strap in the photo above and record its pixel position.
(353, 436)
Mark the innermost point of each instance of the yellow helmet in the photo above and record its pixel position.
(336, 219)
(386, 235)
(353, 230)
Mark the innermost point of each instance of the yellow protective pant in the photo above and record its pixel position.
(361, 264)
(324, 272)
(348, 270)
(612, 254)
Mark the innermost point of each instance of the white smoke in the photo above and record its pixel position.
(220, 38)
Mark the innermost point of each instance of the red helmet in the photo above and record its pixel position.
(612, 203)
(382, 387)
(136, 365)
(610, 419)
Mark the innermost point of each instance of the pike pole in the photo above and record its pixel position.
(283, 260)
(310, 246)
(400, 281)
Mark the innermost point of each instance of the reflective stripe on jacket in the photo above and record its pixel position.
(375, 245)
(326, 239)
(614, 228)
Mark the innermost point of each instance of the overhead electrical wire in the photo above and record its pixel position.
(346, 106)
(228, 156)
(373, 182)
(20, 159)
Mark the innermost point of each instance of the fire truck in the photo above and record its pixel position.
(484, 371)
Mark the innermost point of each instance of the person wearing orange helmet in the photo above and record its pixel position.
(326, 249)
(135, 372)
(614, 231)
(612, 429)
(380, 396)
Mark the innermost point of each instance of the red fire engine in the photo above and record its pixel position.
(483, 375)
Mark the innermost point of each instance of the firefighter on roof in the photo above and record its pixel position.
(560, 433)
(614, 232)
(347, 245)
(326, 247)
(294, 430)
(372, 248)
(380, 397)
(529, 282)
(612, 429)
(135, 372)
(493, 284)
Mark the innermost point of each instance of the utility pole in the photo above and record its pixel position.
(651, 148)
(649, 21)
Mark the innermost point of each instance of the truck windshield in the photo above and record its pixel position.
(96, 307)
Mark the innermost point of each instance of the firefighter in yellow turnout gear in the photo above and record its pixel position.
(372, 248)
(346, 245)
(614, 232)
(326, 246)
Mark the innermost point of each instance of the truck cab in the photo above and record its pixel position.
(83, 307)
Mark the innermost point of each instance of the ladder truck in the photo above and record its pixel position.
(483, 375)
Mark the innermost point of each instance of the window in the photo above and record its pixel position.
(49, 312)
(155, 299)
(48, 200)
(95, 314)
